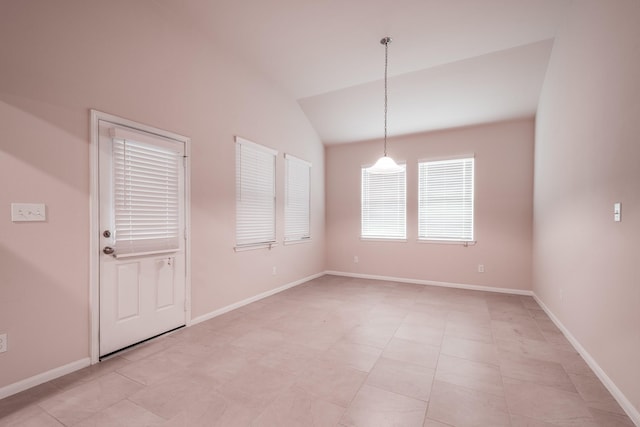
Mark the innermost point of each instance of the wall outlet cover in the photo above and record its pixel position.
(27, 212)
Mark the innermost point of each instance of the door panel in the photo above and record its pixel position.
(128, 291)
(142, 274)
(166, 283)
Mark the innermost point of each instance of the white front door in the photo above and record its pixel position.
(142, 235)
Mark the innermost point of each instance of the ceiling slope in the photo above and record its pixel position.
(451, 62)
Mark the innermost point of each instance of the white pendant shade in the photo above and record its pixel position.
(385, 164)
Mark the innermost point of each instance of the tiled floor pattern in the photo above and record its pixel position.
(340, 352)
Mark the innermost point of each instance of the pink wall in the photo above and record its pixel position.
(132, 59)
(503, 206)
(587, 158)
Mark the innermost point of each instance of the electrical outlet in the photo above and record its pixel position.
(3, 343)
(480, 268)
(274, 271)
(356, 259)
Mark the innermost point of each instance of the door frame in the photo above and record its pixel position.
(94, 211)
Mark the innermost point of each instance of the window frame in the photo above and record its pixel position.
(296, 213)
(147, 193)
(465, 237)
(382, 236)
(269, 176)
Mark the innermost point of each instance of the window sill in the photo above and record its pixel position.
(255, 247)
(382, 239)
(296, 242)
(448, 242)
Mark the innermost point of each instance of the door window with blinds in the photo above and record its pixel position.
(147, 188)
(383, 205)
(297, 199)
(445, 205)
(255, 194)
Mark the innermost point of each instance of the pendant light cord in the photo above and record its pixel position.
(386, 42)
(385, 164)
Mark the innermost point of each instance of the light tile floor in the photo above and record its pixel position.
(340, 352)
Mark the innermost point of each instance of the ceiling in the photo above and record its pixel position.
(452, 63)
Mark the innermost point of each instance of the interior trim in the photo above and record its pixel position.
(230, 307)
(433, 283)
(617, 394)
(43, 377)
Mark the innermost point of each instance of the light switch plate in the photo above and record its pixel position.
(617, 213)
(28, 212)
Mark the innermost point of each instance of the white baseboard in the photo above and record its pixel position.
(52, 374)
(35, 380)
(433, 283)
(255, 298)
(631, 411)
(628, 407)
(617, 394)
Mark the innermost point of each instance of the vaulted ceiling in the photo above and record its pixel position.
(451, 63)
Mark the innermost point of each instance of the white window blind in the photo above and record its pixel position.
(146, 197)
(445, 205)
(384, 205)
(297, 199)
(255, 194)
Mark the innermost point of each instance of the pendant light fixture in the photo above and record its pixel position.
(385, 164)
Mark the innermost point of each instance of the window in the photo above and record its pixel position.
(296, 208)
(146, 196)
(445, 205)
(255, 194)
(384, 205)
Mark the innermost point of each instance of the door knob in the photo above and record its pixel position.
(108, 250)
